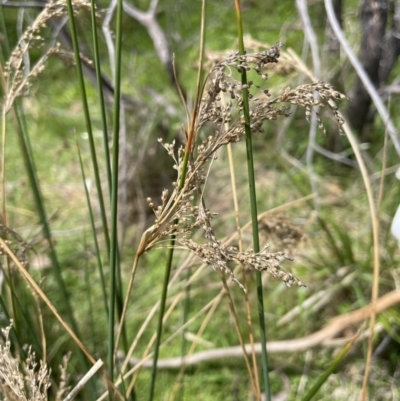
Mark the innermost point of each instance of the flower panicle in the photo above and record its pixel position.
(32, 382)
(222, 102)
(19, 72)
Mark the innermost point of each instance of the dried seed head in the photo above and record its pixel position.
(221, 105)
(18, 73)
(28, 383)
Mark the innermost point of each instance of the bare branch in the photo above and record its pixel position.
(107, 34)
(149, 21)
(84, 380)
(324, 337)
(335, 156)
(363, 76)
(310, 36)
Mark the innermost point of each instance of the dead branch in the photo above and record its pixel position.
(321, 337)
(363, 76)
(157, 35)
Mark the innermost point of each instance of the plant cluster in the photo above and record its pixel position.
(28, 380)
(30, 383)
(184, 211)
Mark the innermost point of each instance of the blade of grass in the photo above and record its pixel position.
(34, 184)
(26, 325)
(111, 51)
(119, 296)
(324, 377)
(114, 188)
(5, 53)
(85, 105)
(88, 293)
(244, 280)
(101, 94)
(88, 122)
(92, 144)
(161, 315)
(253, 206)
(16, 337)
(92, 223)
(110, 246)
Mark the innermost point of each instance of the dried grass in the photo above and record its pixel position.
(27, 380)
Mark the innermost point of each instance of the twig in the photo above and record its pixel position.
(149, 21)
(380, 107)
(321, 337)
(84, 380)
(310, 36)
(335, 156)
(107, 35)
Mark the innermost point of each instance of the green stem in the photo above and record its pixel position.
(93, 226)
(34, 183)
(97, 64)
(107, 158)
(331, 368)
(165, 285)
(253, 206)
(85, 106)
(114, 192)
(188, 150)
